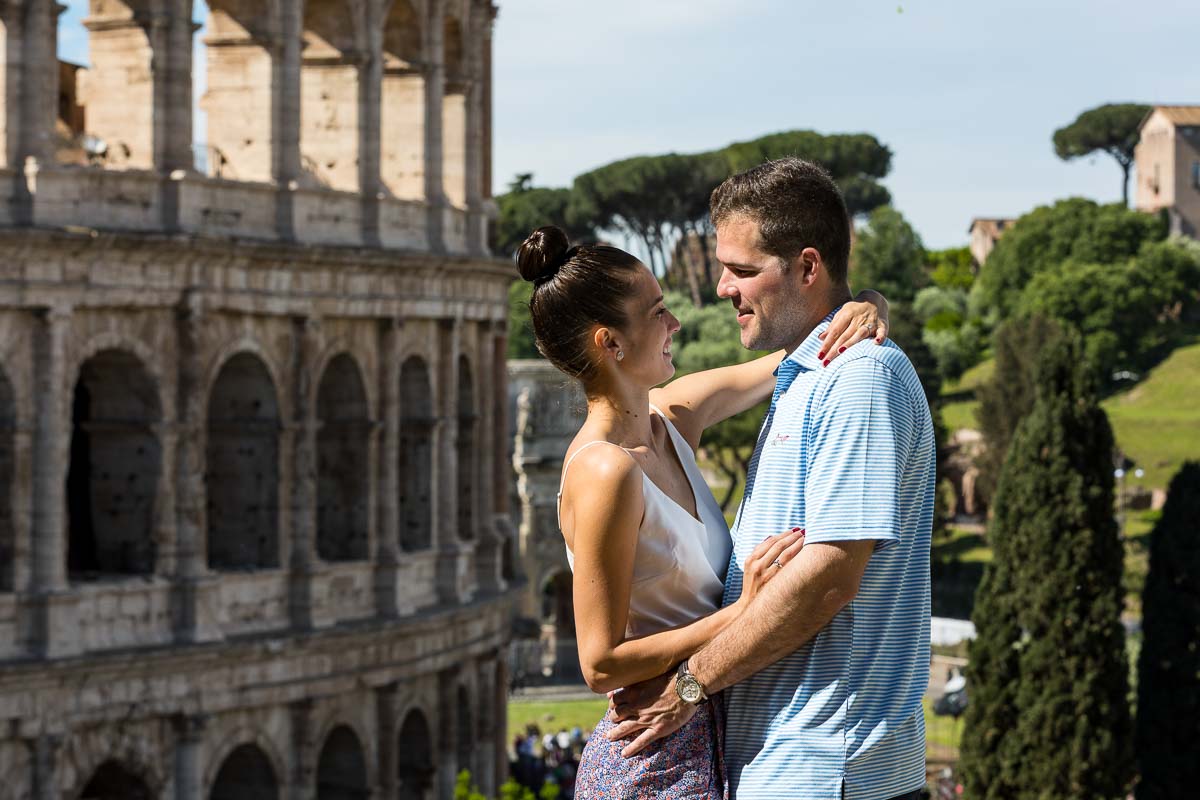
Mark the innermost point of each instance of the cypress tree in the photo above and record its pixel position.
(1168, 723)
(1048, 676)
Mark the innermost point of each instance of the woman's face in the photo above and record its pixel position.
(646, 338)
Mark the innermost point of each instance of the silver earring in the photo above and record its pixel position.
(620, 355)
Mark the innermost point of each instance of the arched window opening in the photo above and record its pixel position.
(242, 473)
(342, 479)
(112, 781)
(246, 774)
(416, 456)
(414, 761)
(112, 479)
(342, 768)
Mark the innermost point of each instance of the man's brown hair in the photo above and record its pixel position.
(796, 205)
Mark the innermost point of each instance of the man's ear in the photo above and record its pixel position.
(810, 265)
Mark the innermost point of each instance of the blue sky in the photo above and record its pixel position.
(966, 94)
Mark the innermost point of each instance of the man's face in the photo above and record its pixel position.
(771, 308)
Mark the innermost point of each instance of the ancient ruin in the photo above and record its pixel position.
(253, 450)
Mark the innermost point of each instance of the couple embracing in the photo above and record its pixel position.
(785, 658)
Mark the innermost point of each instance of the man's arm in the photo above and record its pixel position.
(790, 610)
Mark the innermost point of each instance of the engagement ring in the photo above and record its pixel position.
(776, 563)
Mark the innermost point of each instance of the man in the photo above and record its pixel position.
(824, 672)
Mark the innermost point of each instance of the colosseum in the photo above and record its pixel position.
(254, 536)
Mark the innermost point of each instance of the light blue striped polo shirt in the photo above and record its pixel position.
(849, 456)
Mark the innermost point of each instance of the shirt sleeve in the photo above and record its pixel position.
(862, 430)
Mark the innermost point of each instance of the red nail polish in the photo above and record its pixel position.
(821, 354)
(841, 349)
(826, 364)
(795, 529)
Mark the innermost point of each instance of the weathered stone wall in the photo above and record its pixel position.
(243, 552)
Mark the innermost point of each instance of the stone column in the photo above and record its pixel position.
(194, 595)
(387, 536)
(435, 87)
(28, 76)
(370, 94)
(46, 749)
(52, 632)
(304, 563)
(485, 735)
(285, 97)
(388, 731)
(164, 525)
(478, 22)
(172, 42)
(189, 757)
(447, 736)
(445, 440)
(303, 754)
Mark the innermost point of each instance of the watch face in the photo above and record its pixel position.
(688, 689)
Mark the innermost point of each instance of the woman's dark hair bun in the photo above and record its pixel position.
(540, 255)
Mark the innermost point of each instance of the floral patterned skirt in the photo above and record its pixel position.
(687, 764)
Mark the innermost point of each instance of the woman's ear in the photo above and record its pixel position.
(607, 344)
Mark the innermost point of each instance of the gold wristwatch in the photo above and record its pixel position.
(690, 690)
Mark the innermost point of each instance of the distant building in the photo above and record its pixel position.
(985, 232)
(1168, 166)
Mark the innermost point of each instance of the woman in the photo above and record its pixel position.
(645, 538)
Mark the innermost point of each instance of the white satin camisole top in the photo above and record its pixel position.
(680, 561)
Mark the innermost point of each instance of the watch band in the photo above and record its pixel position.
(689, 689)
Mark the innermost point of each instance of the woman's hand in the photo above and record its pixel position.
(864, 317)
(767, 561)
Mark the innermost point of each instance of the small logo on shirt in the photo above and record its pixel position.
(780, 438)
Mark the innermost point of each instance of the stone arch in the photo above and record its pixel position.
(113, 780)
(246, 773)
(416, 455)
(8, 530)
(242, 472)
(342, 767)
(402, 104)
(241, 47)
(115, 464)
(467, 453)
(330, 73)
(415, 766)
(343, 509)
(240, 736)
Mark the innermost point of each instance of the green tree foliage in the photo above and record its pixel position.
(1070, 230)
(1008, 397)
(1168, 723)
(906, 332)
(521, 341)
(954, 341)
(524, 207)
(855, 160)
(1049, 713)
(464, 789)
(888, 257)
(1127, 312)
(953, 268)
(1111, 129)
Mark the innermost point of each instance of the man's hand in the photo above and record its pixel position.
(650, 709)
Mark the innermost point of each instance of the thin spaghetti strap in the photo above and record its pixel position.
(563, 478)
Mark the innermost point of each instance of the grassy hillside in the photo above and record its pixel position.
(1156, 422)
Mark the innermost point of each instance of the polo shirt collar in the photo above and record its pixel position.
(806, 354)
